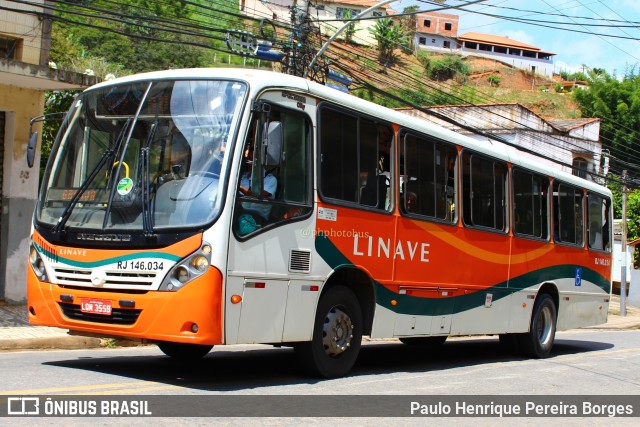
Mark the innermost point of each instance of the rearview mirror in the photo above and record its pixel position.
(31, 148)
(272, 145)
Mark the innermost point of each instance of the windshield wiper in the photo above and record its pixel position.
(147, 217)
(108, 156)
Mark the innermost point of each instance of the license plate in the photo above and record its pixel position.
(95, 306)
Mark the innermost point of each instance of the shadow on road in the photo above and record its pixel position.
(229, 369)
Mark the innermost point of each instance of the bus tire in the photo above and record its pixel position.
(183, 351)
(337, 335)
(431, 342)
(537, 343)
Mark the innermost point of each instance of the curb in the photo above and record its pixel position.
(50, 343)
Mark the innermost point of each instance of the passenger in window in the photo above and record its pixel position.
(450, 186)
(411, 202)
(255, 214)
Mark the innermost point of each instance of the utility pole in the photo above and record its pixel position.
(623, 250)
(298, 37)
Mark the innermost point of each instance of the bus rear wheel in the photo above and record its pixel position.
(337, 335)
(537, 343)
(183, 351)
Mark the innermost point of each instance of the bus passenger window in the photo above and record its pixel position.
(568, 218)
(484, 192)
(598, 214)
(429, 178)
(355, 159)
(530, 204)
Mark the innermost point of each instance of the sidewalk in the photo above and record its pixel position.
(17, 334)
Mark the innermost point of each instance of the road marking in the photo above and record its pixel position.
(78, 388)
(130, 391)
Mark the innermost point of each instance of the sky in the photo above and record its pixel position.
(572, 49)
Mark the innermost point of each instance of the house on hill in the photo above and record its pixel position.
(438, 32)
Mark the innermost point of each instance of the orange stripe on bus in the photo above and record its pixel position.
(482, 254)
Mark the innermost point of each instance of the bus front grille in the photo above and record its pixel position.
(118, 316)
(82, 277)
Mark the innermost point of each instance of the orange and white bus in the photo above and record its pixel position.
(194, 208)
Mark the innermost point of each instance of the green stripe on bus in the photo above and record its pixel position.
(408, 304)
(93, 264)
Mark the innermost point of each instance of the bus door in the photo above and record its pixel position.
(427, 266)
(530, 249)
(268, 293)
(483, 245)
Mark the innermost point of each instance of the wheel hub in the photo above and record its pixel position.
(544, 326)
(337, 332)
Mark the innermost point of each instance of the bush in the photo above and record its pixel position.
(494, 79)
(448, 67)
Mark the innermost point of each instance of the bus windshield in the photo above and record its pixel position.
(143, 156)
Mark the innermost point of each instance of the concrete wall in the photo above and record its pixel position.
(20, 188)
(435, 42)
(543, 67)
(28, 28)
(328, 11)
(438, 23)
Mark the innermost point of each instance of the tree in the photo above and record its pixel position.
(409, 22)
(350, 31)
(389, 37)
(617, 103)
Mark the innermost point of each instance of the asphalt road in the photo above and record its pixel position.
(583, 362)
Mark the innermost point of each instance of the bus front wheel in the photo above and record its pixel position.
(538, 341)
(182, 351)
(337, 335)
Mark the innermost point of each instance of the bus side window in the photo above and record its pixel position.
(354, 159)
(429, 180)
(568, 217)
(530, 204)
(598, 214)
(484, 191)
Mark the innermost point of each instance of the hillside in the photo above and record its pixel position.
(515, 86)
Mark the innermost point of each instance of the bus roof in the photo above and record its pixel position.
(260, 80)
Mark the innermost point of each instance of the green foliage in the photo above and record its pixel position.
(350, 31)
(494, 79)
(389, 37)
(447, 67)
(558, 88)
(135, 41)
(617, 101)
(142, 43)
(579, 76)
(424, 58)
(409, 22)
(633, 213)
(54, 102)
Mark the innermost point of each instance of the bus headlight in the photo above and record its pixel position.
(182, 274)
(37, 264)
(188, 269)
(200, 263)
